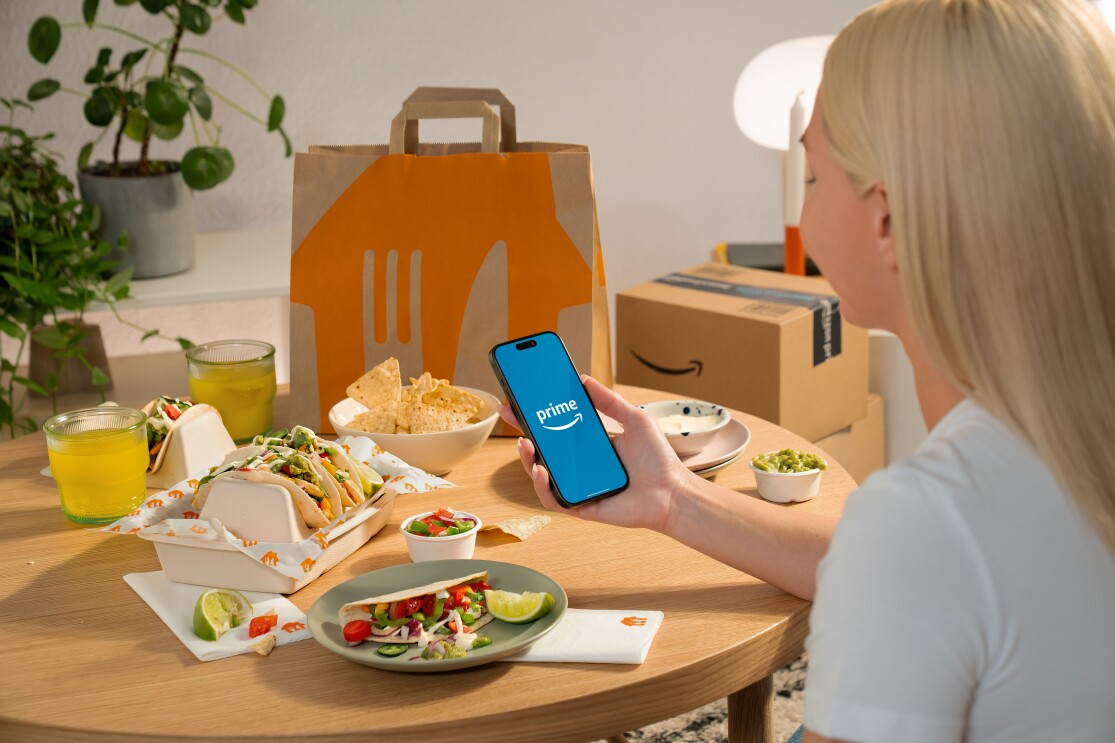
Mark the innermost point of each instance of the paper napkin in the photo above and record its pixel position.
(174, 603)
(593, 636)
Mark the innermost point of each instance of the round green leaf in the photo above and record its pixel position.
(95, 75)
(44, 38)
(43, 89)
(103, 56)
(234, 12)
(99, 109)
(201, 101)
(133, 99)
(136, 126)
(125, 2)
(195, 18)
(166, 101)
(167, 132)
(203, 168)
(275, 116)
(224, 157)
(154, 7)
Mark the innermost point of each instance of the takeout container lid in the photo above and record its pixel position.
(265, 513)
(197, 443)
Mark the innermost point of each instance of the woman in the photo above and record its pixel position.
(962, 195)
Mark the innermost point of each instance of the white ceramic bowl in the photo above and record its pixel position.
(456, 547)
(787, 487)
(437, 453)
(689, 442)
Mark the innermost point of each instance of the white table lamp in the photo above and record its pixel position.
(773, 102)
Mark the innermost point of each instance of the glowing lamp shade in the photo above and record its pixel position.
(770, 82)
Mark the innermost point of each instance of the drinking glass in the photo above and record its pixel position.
(237, 377)
(99, 459)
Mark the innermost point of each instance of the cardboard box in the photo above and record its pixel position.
(766, 343)
(861, 447)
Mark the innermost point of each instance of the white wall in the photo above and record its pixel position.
(646, 84)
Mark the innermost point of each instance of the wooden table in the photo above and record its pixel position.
(84, 658)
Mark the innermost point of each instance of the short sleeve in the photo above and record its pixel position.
(897, 643)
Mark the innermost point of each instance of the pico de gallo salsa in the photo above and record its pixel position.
(443, 522)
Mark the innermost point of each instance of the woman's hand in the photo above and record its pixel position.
(654, 471)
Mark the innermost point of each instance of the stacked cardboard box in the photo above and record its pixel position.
(766, 343)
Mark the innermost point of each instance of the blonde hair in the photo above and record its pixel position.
(992, 125)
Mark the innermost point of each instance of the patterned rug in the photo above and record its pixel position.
(710, 723)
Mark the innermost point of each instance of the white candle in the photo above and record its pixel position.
(793, 193)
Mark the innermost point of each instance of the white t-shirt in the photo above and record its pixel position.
(964, 598)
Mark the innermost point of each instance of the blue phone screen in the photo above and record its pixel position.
(562, 421)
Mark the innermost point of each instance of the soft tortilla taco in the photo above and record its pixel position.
(164, 416)
(311, 488)
(421, 615)
(355, 481)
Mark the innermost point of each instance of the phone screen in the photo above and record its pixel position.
(550, 401)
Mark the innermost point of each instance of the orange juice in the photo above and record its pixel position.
(242, 396)
(101, 471)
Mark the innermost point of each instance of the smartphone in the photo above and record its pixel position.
(555, 412)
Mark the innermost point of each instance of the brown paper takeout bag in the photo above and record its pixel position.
(433, 253)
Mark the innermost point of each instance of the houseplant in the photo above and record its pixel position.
(52, 267)
(148, 93)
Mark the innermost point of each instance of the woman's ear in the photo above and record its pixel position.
(880, 227)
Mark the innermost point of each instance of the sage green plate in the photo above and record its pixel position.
(507, 639)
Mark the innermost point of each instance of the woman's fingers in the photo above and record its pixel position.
(608, 401)
(538, 475)
(508, 416)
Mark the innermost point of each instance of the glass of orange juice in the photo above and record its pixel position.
(237, 377)
(99, 458)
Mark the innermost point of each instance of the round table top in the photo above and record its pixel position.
(86, 658)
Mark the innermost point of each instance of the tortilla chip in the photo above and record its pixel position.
(379, 388)
(429, 419)
(376, 420)
(519, 527)
(265, 645)
(455, 400)
(424, 384)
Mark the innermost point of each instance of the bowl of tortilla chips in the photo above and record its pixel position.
(430, 424)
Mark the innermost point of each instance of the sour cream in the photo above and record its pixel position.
(678, 423)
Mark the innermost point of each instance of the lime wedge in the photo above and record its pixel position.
(217, 611)
(518, 608)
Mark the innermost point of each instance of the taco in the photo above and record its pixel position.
(313, 492)
(443, 610)
(355, 481)
(164, 415)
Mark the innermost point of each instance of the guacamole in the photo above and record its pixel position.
(788, 460)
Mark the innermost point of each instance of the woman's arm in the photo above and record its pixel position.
(776, 544)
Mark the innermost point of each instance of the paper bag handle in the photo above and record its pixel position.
(494, 97)
(404, 127)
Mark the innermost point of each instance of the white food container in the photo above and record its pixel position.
(787, 487)
(266, 513)
(456, 547)
(198, 443)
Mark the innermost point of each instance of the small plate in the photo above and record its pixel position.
(729, 443)
(708, 472)
(507, 639)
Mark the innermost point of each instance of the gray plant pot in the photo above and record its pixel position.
(157, 211)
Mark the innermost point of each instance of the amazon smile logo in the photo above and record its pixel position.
(553, 411)
(694, 366)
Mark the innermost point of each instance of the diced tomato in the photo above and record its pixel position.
(405, 608)
(444, 514)
(357, 630)
(286, 471)
(429, 604)
(262, 624)
(479, 586)
(171, 412)
(243, 469)
(458, 600)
